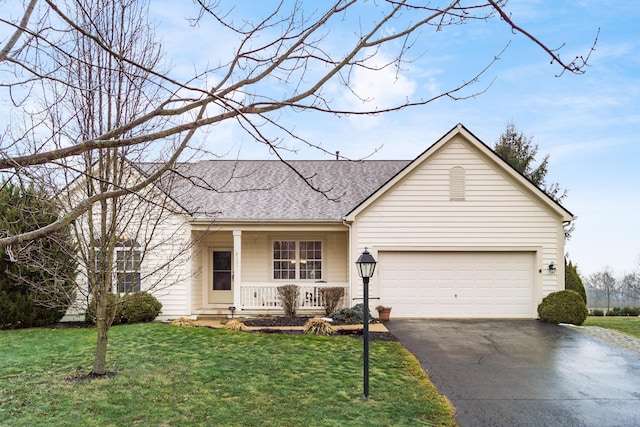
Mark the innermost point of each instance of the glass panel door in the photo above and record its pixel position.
(221, 287)
(222, 271)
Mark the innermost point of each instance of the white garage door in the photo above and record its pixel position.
(457, 284)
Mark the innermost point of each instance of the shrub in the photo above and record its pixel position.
(139, 307)
(235, 325)
(318, 327)
(631, 311)
(114, 310)
(183, 322)
(136, 307)
(596, 312)
(563, 307)
(626, 311)
(288, 297)
(19, 310)
(331, 298)
(615, 311)
(37, 278)
(353, 314)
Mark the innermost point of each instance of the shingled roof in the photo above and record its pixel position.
(270, 190)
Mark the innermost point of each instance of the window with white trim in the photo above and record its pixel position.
(128, 260)
(126, 268)
(297, 260)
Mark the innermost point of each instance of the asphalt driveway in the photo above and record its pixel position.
(525, 372)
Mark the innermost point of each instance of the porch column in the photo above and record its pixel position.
(237, 268)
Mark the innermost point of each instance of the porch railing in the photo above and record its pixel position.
(264, 296)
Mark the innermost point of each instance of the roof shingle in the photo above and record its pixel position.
(270, 190)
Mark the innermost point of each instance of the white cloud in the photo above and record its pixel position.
(378, 85)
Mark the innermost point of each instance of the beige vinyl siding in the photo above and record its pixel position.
(206, 241)
(196, 274)
(256, 257)
(257, 254)
(165, 268)
(162, 236)
(496, 212)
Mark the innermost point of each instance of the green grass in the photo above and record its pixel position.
(628, 325)
(171, 376)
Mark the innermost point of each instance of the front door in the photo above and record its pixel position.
(221, 286)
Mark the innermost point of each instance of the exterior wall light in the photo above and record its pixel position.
(552, 267)
(366, 266)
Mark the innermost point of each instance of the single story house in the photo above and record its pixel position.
(457, 233)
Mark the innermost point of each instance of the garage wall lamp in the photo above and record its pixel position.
(552, 268)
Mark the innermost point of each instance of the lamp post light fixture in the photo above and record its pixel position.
(366, 266)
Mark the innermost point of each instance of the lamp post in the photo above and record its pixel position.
(366, 265)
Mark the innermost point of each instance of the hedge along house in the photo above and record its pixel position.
(457, 233)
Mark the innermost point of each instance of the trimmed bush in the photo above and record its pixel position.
(615, 311)
(140, 307)
(596, 312)
(563, 307)
(353, 314)
(626, 311)
(331, 298)
(631, 311)
(114, 310)
(288, 297)
(136, 307)
(318, 327)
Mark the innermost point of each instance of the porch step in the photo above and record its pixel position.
(213, 317)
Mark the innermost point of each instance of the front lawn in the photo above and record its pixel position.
(171, 376)
(628, 325)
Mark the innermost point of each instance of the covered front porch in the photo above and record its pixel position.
(239, 267)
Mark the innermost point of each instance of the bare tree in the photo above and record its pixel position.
(288, 46)
(602, 288)
(117, 234)
(630, 290)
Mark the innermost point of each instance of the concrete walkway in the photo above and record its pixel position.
(616, 338)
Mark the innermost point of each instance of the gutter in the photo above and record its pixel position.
(348, 225)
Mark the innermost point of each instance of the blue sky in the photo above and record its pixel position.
(588, 124)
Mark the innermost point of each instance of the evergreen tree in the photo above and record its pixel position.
(520, 152)
(573, 281)
(37, 279)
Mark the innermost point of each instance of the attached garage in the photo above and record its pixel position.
(458, 284)
(458, 233)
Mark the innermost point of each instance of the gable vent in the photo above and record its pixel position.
(457, 183)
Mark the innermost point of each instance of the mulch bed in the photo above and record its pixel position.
(275, 321)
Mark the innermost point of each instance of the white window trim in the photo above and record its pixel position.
(125, 271)
(114, 287)
(297, 260)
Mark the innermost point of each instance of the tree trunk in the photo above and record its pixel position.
(100, 360)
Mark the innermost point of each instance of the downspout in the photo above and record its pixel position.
(346, 224)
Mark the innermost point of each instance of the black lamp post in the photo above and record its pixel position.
(366, 266)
